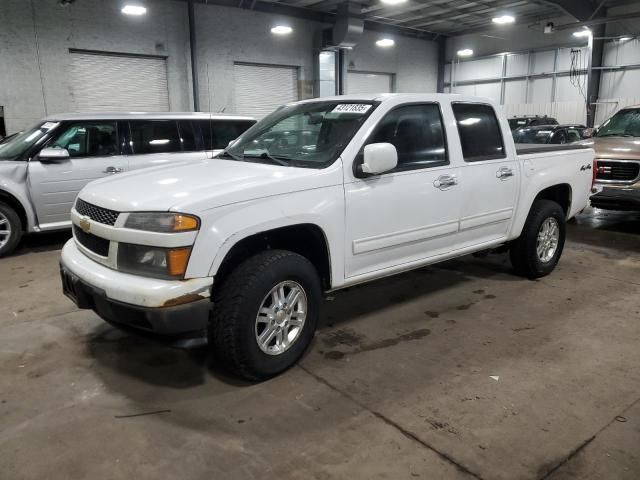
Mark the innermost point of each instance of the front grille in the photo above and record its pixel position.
(95, 213)
(97, 245)
(617, 171)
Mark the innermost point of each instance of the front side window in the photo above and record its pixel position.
(88, 139)
(479, 130)
(559, 137)
(155, 136)
(20, 143)
(416, 132)
(190, 136)
(625, 123)
(310, 135)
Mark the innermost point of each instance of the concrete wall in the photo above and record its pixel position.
(90, 25)
(414, 61)
(36, 35)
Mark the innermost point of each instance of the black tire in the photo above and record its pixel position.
(524, 257)
(236, 305)
(14, 223)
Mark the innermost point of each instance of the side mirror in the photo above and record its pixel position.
(588, 132)
(53, 154)
(378, 158)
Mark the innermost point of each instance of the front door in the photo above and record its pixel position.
(411, 212)
(94, 152)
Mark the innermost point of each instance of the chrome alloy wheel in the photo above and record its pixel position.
(5, 230)
(548, 239)
(281, 317)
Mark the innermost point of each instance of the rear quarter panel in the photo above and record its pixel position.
(547, 169)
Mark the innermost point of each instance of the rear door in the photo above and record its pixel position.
(411, 212)
(490, 175)
(94, 152)
(164, 142)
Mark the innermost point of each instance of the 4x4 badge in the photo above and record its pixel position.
(85, 225)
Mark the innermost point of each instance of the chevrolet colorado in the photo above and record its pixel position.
(320, 195)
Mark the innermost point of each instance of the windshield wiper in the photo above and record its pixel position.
(274, 160)
(228, 154)
(615, 135)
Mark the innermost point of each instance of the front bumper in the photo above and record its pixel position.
(617, 199)
(167, 308)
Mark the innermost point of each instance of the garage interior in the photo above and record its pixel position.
(454, 371)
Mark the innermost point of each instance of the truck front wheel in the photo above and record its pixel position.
(10, 229)
(537, 251)
(265, 314)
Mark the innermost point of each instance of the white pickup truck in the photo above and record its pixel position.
(320, 195)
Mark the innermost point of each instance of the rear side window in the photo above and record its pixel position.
(218, 133)
(155, 136)
(479, 131)
(416, 132)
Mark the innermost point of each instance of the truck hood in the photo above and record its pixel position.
(623, 148)
(197, 186)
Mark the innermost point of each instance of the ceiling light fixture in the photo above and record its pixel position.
(624, 39)
(465, 52)
(281, 30)
(386, 42)
(503, 19)
(582, 33)
(393, 2)
(134, 10)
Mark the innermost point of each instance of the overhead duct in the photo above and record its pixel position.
(347, 29)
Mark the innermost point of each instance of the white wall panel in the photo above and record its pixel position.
(540, 90)
(622, 53)
(260, 89)
(517, 64)
(567, 92)
(515, 91)
(491, 90)
(542, 62)
(478, 69)
(564, 58)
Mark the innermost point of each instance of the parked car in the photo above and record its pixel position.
(617, 172)
(549, 134)
(43, 168)
(383, 184)
(531, 121)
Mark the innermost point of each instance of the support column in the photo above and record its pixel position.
(442, 43)
(194, 60)
(596, 52)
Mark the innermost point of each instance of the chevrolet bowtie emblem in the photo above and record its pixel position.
(84, 224)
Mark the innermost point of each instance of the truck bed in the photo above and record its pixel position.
(527, 148)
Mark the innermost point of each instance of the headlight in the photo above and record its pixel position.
(158, 262)
(162, 222)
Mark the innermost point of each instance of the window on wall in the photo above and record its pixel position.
(155, 136)
(479, 130)
(416, 132)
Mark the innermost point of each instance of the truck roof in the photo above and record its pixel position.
(145, 116)
(382, 97)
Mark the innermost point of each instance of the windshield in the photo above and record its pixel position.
(531, 135)
(308, 135)
(625, 123)
(13, 148)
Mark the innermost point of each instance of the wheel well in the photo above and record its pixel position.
(307, 240)
(561, 194)
(14, 203)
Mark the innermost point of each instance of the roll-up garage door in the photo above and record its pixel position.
(260, 89)
(362, 82)
(103, 82)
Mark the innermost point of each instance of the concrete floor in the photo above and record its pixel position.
(456, 371)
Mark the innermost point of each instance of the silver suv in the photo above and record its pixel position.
(43, 168)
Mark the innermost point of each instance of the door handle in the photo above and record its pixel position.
(504, 172)
(112, 170)
(445, 181)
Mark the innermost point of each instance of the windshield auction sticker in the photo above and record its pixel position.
(359, 108)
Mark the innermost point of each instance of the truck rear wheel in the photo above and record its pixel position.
(537, 251)
(10, 229)
(265, 314)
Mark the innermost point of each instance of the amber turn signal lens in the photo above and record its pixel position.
(177, 259)
(184, 222)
